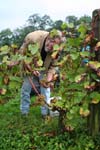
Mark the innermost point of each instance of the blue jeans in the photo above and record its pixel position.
(26, 92)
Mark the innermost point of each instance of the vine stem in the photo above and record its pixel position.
(35, 89)
(33, 86)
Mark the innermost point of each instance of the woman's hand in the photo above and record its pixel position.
(36, 73)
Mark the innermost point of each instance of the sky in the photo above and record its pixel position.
(15, 13)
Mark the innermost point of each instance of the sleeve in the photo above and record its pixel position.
(23, 48)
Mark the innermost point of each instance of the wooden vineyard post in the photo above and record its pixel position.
(94, 117)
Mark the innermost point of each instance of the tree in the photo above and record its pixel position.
(71, 19)
(46, 22)
(58, 24)
(34, 20)
(5, 37)
(85, 19)
(38, 22)
(20, 33)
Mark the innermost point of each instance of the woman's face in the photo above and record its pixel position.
(50, 42)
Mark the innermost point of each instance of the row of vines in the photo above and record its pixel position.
(79, 88)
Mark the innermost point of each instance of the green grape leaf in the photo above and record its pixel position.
(84, 54)
(56, 47)
(33, 48)
(95, 95)
(71, 25)
(74, 55)
(64, 25)
(4, 50)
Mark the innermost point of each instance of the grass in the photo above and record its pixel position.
(16, 130)
(33, 133)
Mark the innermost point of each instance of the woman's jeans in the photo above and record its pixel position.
(26, 92)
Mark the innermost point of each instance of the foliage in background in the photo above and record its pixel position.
(77, 91)
(37, 22)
